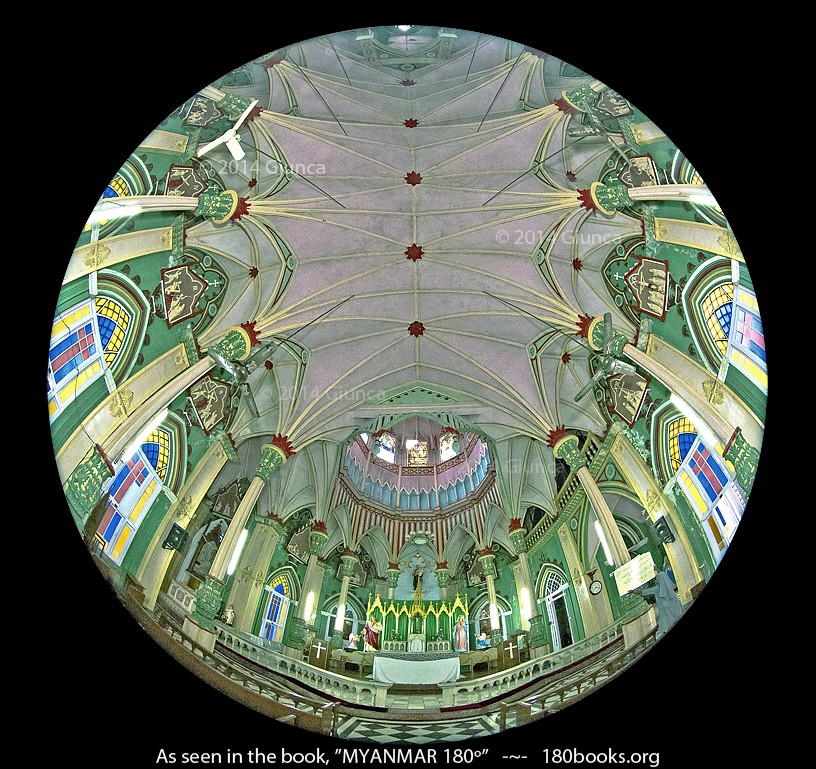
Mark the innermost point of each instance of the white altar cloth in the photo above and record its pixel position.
(402, 671)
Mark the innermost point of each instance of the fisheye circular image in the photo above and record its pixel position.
(407, 385)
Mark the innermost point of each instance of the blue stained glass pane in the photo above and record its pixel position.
(151, 451)
(119, 480)
(757, 350)
(684, 442)
(106, 327)
(724, 317)
(88, 329)
(110, 192)
(721, 477)
(111, 528)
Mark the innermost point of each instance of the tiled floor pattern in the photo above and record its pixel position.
(415, 732)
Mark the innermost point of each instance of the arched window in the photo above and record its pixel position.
(277, 607)
(352, 625)
(448, 446)
(386, 447)
(135, 487)
(708, 484)
(717, 314)
(553, 588)
(682, 435)
(84, 343)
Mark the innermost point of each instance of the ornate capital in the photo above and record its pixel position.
(235, 345)
(518, 536)
(349, 561)
(220, 207)
(580, 98)
(595, 337)
(567, 448)
(318, 537)
(605, 198)
(207, 603)
(271, 459)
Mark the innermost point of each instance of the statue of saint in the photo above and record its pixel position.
(371, 635)
(460, 635)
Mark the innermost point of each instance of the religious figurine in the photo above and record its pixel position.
(229, 615)
(417, 576)
(371, 634)
(460, 635)
(482, 641)
(352, 643)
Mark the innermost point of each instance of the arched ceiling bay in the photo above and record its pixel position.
(392, 205)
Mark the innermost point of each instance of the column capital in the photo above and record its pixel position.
(605, 198)
(595, 337)
(518, 536)
(566, 447)
(235, 344)
(349, 560)
(318, 536)
(272, 458)
(221, 207)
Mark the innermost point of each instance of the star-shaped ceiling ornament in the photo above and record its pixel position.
(414, 252)
(411, 123)
(416, 329)
(413, 178)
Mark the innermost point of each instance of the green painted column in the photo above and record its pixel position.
(567, 448)
(487, 559)
(209, 596)
(349, 561)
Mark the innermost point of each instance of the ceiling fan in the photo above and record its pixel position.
(239, 371)
(609, 363)
(230, 137)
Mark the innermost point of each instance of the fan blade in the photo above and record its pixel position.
(234, 146)
(244, 115)
(211, 146)
(609, 335)
(253, 407)
(588, 386)
(256, 356)
(222, 361)
(620, 367)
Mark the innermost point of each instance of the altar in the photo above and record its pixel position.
(416, 668)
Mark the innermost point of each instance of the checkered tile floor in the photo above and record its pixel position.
(415, 732)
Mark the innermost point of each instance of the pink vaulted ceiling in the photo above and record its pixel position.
(356, 148)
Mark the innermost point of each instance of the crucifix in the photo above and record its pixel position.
(319, 648)
(510, 648)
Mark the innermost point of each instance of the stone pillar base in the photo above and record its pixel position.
(639, 627)
(200, 635)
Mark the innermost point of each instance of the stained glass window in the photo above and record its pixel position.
(682, 434)
(275, 615)
(447, 446)
(388, 447)
(113, 322)
(417, 453)
(713, 494)
(717, 309)
(74, 358)
(129, 499)
(157, 451)
(84, 342)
